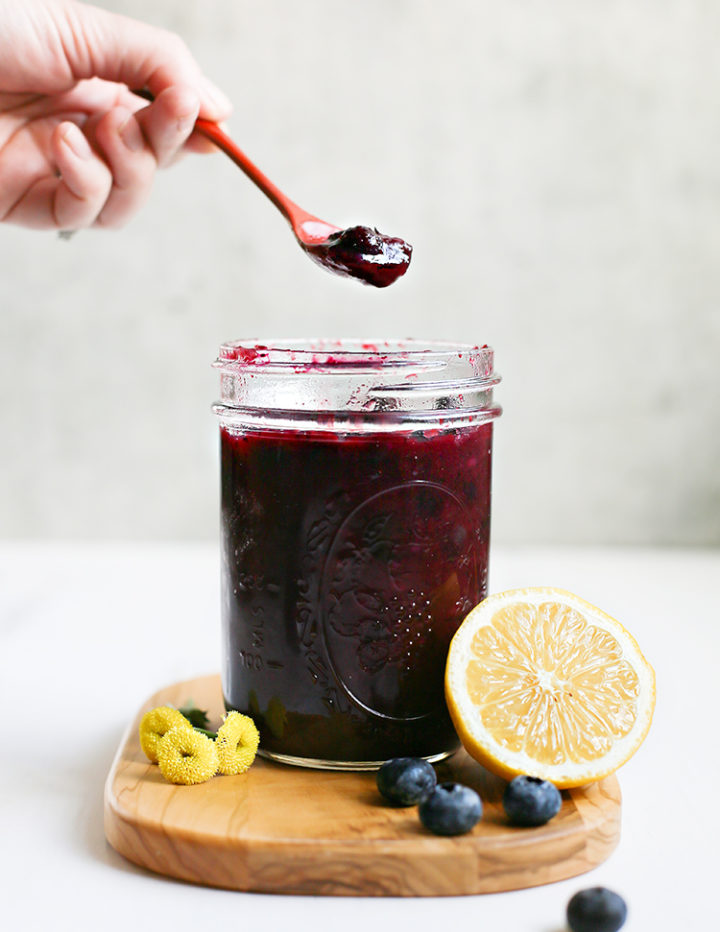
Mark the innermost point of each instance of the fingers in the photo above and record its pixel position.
(139, 55)
(168, 122)
(85, 181)
(73, 200)
(97, 97)
(131, 162)
(103, 173)
(61, 176)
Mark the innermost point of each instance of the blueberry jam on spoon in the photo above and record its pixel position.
(362, 253)
(357, 252)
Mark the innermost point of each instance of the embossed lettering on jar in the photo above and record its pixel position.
(355, 511)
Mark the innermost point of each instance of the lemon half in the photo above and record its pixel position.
(540, 682)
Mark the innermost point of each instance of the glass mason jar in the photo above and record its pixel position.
(355, 522)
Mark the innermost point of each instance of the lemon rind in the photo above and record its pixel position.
(480, 744)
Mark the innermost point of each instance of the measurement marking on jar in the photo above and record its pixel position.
(252, 661)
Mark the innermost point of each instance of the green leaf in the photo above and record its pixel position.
(197, 717)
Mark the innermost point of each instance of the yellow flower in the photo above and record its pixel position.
(237, 743)
(155, 724)
(187, 756)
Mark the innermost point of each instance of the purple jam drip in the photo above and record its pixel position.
(363, 253)
(348, 564)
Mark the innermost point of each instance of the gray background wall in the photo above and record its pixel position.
(557, 168)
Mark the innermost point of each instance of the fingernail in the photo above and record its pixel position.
(130, 133)
(76, 142)
(186, 121)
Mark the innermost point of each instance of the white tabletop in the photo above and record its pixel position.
(89, 632)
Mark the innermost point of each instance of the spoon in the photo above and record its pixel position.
(356, 252)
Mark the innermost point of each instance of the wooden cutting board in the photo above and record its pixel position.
(281, 829)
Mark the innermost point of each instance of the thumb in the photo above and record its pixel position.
(117, 48)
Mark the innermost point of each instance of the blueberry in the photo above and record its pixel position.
(531, 801)
(596, 910)
(451, 809)
(405, 781)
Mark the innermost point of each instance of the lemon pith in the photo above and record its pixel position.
(539, 681)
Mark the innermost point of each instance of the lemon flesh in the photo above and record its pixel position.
(540, 682)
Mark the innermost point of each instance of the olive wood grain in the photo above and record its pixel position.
(281, 829)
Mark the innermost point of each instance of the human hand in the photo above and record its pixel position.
(77, 148)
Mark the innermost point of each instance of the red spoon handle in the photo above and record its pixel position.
(288, 208)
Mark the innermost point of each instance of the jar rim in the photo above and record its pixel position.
(318, 355)
(358, 384)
